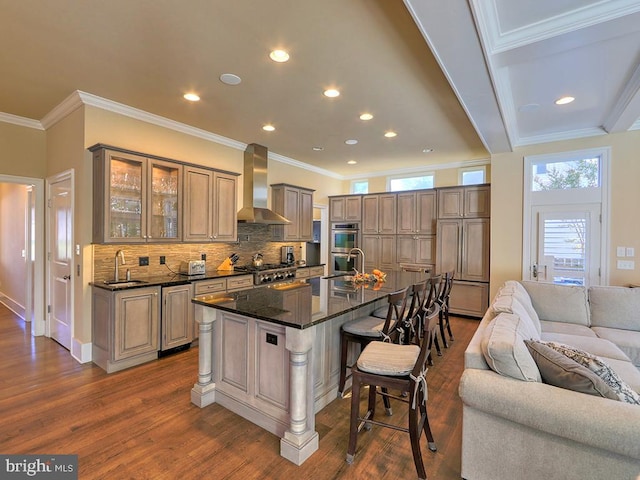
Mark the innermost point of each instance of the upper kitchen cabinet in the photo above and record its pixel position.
(467, 202)
(345, 208)
(416, 213)
(296, 205)
(379, 214)
(136, 199)
(210, 206)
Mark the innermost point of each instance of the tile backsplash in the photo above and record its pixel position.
(259, 241)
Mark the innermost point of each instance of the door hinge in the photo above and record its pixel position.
(48, 256)
(49, 203)
(48, 308)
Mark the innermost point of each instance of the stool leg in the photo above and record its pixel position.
(386, 401)
(444, 338)
(353, 423)
(414, 435)
(344, 344)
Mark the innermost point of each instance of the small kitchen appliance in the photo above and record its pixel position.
(287, 257)
(193, 267)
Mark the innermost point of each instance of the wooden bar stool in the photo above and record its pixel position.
(400, 368)
(443, 301)
(366, 329)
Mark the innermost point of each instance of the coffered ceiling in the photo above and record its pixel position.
(462, 78)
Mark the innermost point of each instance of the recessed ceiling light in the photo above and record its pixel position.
(390, 134)
(331, 92)
(352, 162)
(268, 128)
(192, 97)
(318, 149)
(230, 79)
(564, 100)
(427, 150)
(366, 116)
(351, 141)
(279, 56)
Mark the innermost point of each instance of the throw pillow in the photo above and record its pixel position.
(595, 364)
(560, 371)
(505, 303)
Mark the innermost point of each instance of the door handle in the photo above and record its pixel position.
(534, 270)
(67, 277)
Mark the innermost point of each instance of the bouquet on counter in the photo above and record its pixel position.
(376, 277)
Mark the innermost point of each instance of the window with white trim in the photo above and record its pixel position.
(416, 182)
(360, 186)
(472, 175)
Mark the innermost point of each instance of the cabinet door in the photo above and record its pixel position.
(469, 298)
(136, 322)
(306, 216)
(164, 202)
(387, 213)
(450, 203)
(475, 250)
(477, 201)
(124, 203)
(406, 218)
(405, 248)
(198, 204)
(371, 247)
(387, 253)
(337, 209)
(449, 244)
(225, 210)
(177, 316)
(370, 214)
(291, 211)
(425, 212)
(425, 249)
(353, 208)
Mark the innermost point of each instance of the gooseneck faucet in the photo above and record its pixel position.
(350, 256)
(116, 274)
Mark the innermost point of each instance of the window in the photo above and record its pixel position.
(471, 175)
(399, 184)
(360, 186)
(565, 174)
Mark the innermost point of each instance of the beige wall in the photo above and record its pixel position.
(13, 269)
(506, 204)
(22, 151)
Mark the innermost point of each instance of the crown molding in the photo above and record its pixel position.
(295, 163)
(559, 136)
(20, 121)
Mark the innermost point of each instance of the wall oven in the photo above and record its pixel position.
(344, 237)
(340, 262)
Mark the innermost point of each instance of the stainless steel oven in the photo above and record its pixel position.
(344, 237)
(340, 262)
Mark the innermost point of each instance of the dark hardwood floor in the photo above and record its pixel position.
(140, 423)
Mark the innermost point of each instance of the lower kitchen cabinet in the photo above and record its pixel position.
(177, 316)
(380, 252)
(125, 327)
(469, 298)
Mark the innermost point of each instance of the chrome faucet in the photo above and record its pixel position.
(350, 256)
(116, 274)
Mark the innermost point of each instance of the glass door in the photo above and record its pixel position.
(164, 199)
(125, 198)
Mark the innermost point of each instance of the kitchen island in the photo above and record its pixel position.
(272, 354)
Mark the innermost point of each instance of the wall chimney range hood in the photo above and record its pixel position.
(255, 190)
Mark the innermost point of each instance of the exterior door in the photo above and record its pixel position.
(60, 259)
(565, 245)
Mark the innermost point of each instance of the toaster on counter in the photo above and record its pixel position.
(193, 267)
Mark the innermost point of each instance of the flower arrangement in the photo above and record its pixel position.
(376, 276)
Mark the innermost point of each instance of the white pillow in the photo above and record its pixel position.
(505, 303)
(504, 349)
(520, 293)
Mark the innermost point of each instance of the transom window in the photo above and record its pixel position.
(472, 175)
(360, 186)
(399, 184)
(565, 174)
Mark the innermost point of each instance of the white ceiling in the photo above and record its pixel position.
(465, 77)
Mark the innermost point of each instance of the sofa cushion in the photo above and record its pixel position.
(505, 303)
(504, 350)
(518, 291)
(602, 369)
(615, 307)
(594, 345)
(561, 371)
(628, 341)
(559, 303)
(566, 328)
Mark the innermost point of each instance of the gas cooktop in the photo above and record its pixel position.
(269, 272)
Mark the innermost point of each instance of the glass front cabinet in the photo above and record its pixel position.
(136, 199)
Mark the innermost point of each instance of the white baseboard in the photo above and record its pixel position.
(81, 351)
(12, 305)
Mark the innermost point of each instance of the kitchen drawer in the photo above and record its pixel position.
(302, 272)
(239, 282)
(316, 272)
(210, 286)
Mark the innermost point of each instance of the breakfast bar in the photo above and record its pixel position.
(271, 354)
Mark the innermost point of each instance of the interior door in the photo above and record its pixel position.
(565, 244)
(60, 260)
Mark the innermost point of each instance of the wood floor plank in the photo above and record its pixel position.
(140, 423)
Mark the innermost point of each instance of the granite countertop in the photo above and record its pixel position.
(316, 300)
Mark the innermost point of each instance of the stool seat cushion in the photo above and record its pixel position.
(383, 358)
(365, 326)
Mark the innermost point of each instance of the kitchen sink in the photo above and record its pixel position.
(124, 283)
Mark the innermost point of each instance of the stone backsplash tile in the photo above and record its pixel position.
(260, 241)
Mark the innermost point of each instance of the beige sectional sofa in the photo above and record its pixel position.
(516, 423)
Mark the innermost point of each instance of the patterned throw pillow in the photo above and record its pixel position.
(599, 367)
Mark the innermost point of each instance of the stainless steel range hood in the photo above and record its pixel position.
(255, 189)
